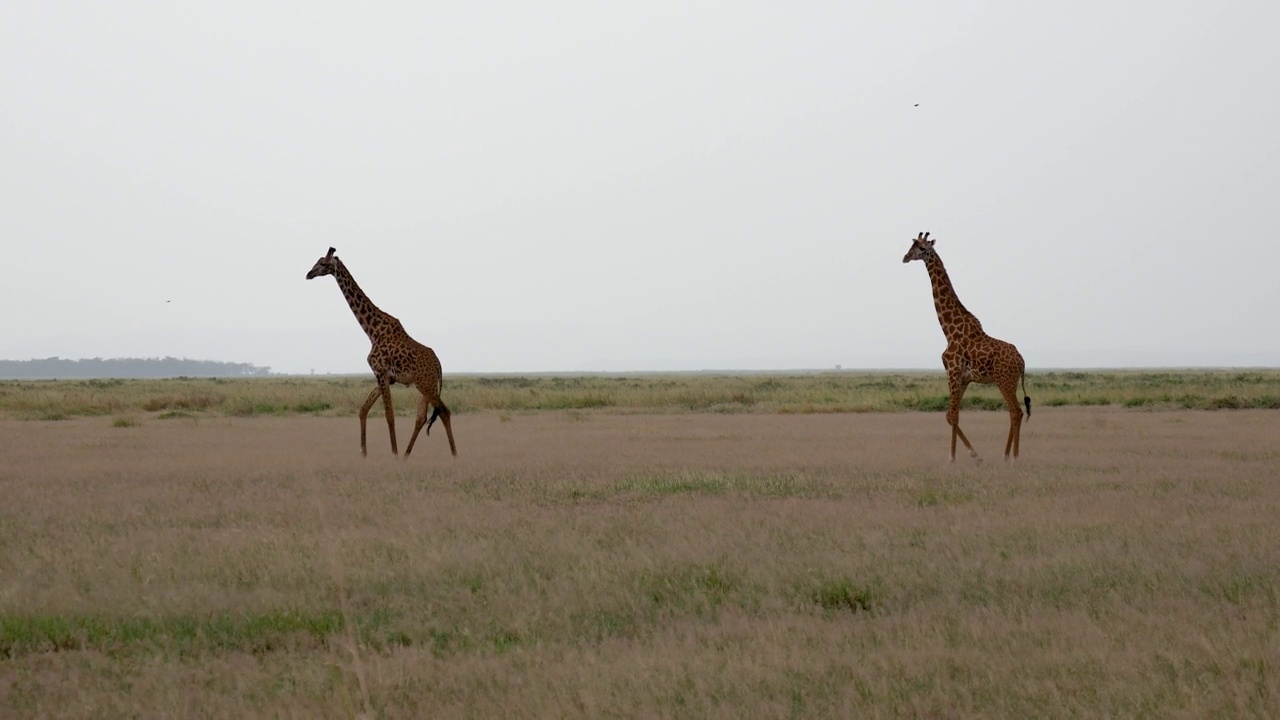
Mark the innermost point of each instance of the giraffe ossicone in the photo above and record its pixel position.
(971, 355)
(394, 358)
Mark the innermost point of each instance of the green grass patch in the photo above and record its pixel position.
(842, 594)
(940, 403)
(249, 407)
(934, 403)
(599, 624)
(931, 497)
(693, 589)
(181, 634)
(1243, 588)
(313, 408)
(1227, 402)
(674, 483)
(715, 483)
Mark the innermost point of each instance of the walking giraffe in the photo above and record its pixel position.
(395, 358)
(971, 354)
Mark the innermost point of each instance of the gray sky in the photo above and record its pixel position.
(640, 186)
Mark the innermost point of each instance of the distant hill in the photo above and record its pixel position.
(59, 368)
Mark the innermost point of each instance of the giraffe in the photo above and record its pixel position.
(395, 358)
(971, 354)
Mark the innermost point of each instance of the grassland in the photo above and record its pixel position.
(607, 562)
(794, 393)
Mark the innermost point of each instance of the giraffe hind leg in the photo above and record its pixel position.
(445, 417)
(438, 411)
(1010, 394)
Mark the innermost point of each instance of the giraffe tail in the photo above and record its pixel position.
(442, 412)
(435, 413)
(1026, 399)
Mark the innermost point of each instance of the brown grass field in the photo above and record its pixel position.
(595, 563)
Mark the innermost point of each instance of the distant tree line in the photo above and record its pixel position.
(59, 368)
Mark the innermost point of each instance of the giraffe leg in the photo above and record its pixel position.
(445, 415)
(417, 425)
(364, 416)
(1017, 437)
(1010, 393)
(385, 388)
(955, 430)
(957, 387)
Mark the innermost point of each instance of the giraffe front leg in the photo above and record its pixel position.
(952, 456)
(364, 417)
(957, 431)
(953, 418)
(417, 425)
(385, 389)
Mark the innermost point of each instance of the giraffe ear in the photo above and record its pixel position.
(932, 243)
(330, 253)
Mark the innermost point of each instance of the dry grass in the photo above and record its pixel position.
(815, 392)
(594, 564)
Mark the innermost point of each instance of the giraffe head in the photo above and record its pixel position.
(324, 266)
(921, 248)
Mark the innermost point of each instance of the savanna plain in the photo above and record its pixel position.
(642, 546)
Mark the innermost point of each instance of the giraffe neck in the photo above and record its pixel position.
(371, 319)
(956, 321)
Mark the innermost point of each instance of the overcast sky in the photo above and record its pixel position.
(641, 186)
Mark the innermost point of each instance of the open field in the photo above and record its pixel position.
(815, 392)
(595, 563)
